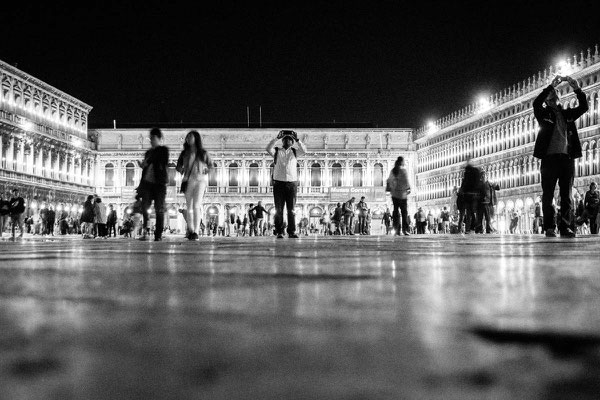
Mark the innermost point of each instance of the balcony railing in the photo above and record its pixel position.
(129, 191)
(48, 183)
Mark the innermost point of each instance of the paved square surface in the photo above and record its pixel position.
(420, 317)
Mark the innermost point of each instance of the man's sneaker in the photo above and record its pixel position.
(280, 236)
(550, 233)
(406, 233)
(158, 239)
(567, 233)
(293, 236)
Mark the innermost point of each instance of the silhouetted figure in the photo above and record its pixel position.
(153, 185)
(558, 145)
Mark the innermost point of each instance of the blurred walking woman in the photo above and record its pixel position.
(399, 188)
(195, 164)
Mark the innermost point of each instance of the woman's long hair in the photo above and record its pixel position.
(397, 165)
(201, 153)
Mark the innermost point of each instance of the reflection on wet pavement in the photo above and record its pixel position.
(445, 317)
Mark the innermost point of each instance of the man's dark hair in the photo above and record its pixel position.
(156, 132)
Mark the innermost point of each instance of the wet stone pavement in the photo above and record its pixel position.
(420, 317)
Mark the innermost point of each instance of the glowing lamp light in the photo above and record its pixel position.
(432, 127)
(484, 105)
(27, 125)
(149, 210)
(128, 211)
(80, 209)
(59, 208)
(564, 68)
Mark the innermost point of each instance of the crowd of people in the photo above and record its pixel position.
(473, 204)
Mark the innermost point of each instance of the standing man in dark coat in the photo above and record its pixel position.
(17, 211)
(485, 211)
(471, 192)
(153, 186)
(557, 145)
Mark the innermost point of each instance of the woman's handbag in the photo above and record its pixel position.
(183, 187)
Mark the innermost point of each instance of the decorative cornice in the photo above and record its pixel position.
(43, 86)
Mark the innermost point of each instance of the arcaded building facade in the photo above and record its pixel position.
(45, 150)
(498, 134)
(339, 164)
(48, 152)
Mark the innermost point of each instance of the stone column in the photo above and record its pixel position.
(368, 181)
(10, 154)
(219, 174)
(347, 178)
(73, 177)
(35, 157)
(28, 158)
(55, 163)
(81, 170)
(59, 164)
(21, 156)
(117, 174)
(243, 174)
(264, 174)
(49, 162)
(65, 168)
(85, 170)
(304, 168)
(2, 147)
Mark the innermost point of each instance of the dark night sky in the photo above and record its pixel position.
(386, 62)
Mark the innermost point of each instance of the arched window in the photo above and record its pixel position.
(357, 179)
(336, 175)
(109, 175)
(253, 174)
(378, 175)
(129, 174)
(171, 171)
(271, 167)
(212, 176)
(233, 174)
(315, 175)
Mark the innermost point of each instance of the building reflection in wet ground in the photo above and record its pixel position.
(377, 317)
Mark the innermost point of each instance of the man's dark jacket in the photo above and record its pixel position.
(159, 158)
(546, 119)
(471, 182)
